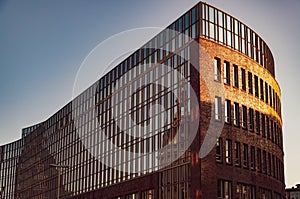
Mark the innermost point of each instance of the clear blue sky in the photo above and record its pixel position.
(43, 43)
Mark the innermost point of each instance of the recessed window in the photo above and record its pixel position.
(226, 72)
(235, 76)
(268, 127)
(264, 162)
(250, 82)
(257, 118)
(219, 150)
(261, 89)
(245, 191)
(251, 119)
(273, 163)
(224, 189)
(243, 76)
(256, 86)
(270, 95)
(259, 166)
(228, 150)
(252, 157)
(246, 163)
(217, 69)
(273, 98)
(266, 93)
(227, 111)
(237, 148)
(244, 116)
(272, 131)
(218, 107)
(263, 126)
(236, 114)
(269, 164)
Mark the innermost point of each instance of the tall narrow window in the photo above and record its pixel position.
(237, 148)
(273, 165)
(257, 118)
(266, 93)
(224, 189)
(219, 150)
(246, 163)
(263, 125)
(273, 97)
(250, 82)
(235, 76)
(256, 86)
(271, 130)
(243, 76)
(270, 95)
(226, 72)
(228, 149)
(244, 116)
(217, 68)
(252, 158)
(227, 111)
(251, 119)
(268, 128)
(236, 114)
(264, 162)
(262, 89)
(218, 107)
(259, 160)
(269, 164)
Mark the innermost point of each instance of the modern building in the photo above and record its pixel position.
(216, 134)
(293, 193)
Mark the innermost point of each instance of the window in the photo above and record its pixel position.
(259, 160)
(244, 191)
(226, 72)
(149, 194)
(219, 150)
(224, 189)
(217, 69)
(266, 93)
(256, 86)
(218, 107)
(265, 193)
(257, 118)
(236, 114)
(264, 162)
(269, 164)
(237, 148)
(268, 128)
(270, 96)
(246, 163)
(250, 84)
(227, 111)
(235, 76)
(228, 149)
(243, 75)
(273, 98)
(244, 116)
(251, 119)
(252, 157)
(273, 165)
(271, 131)
(262, 89)
(263, 126)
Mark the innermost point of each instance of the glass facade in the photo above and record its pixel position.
(9, 155)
